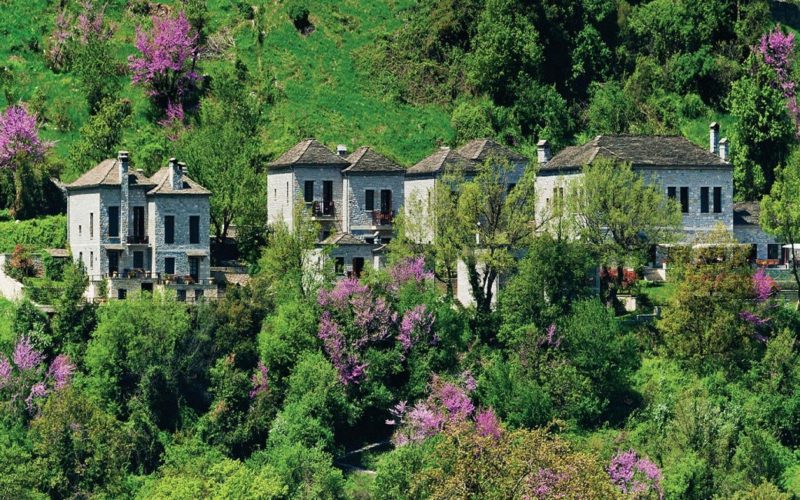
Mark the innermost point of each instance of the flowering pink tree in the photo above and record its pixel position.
(26, 378)
(448, 404)
(635, 476)
(260, 380)
(19, 138)
(777, 51)
(763, 290)
(166, 62)
(356, 317)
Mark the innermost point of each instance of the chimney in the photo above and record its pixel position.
(543, 152)
(124, 164)
(724, 149)
(124, 190)
(714, 138)
(174, 174)
(183, 168)
(341, 150)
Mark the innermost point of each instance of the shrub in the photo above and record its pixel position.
(20, 265)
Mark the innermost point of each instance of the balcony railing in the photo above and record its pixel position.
(323, 208)
(159, 278)
(138, 239)
(382, 217)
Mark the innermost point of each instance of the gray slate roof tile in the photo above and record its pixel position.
(366, 159)
(309, 152)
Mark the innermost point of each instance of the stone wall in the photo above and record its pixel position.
(10, 288)
(279, 204)
(418, 194)
(349, 252)
(84, 244)
(695, 178)
(181, 207)
(750, 234)
(358, 218)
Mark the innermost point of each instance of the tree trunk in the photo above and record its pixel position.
(796, 274)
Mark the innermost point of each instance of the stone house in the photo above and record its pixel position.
(421, 178)
(133, 233)
(353, 197)
(701, 180)
(765, 249)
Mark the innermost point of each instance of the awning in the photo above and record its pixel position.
(114, 246)
(197, 253)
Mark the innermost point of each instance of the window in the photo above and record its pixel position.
(369, 241)
(369, 199)
(113, 262)
(169, 229)
(138, 260)
(194, 229)
(704, 200)
(717, 200)
(773, 251)
(287, 189)
(113, 222)
(308, 191)
(91, 260)
(181, 295)
(169, 265)
(138, 224)
(386, 200)
(194, 268)
(198, 294)
(671, 192)
(121, 293)
(91, 225)
(358, 266)
(338, 266)
(80, 230)
(80, 257)
(753, 252)
(685, 200)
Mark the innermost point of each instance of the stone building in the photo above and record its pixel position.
(764, 248)
(353, 197)
(133, 233)
(701, 180)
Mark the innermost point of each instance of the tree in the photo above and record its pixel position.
(620, 216)
(490, 226)
(762, 133)
(21, 150)
(780, 212)
(166, 62)
(223, 151)
(93, 58)
(101, 135)
(74, 318)
(79, 449)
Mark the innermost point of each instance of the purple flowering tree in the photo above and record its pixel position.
(448, 404)
(260, 380)
(776, 48)
(635, 476)
(26, 379)
(356, 317)
(763, 290)
(19, 138)
(166, 62)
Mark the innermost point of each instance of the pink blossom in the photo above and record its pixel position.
(25, 356)
(339, 297)
(19, 135)
(167, 54)
(753, 319)
(634, 474)
(470, 384)
(38, 390)
(259, 380)
(5, 371)
(544, 482)
(91, 23)
(763, 285)
(410, 270)
(61, 371)
(417, 320)
(487, 424)
(777, 51)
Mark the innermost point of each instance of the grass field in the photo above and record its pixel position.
(6, 320)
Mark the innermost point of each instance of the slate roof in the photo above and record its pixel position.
(343, 239)
(106, 173)
(366, 159)
(444, 158)
(639, 150)
(309, 152)
(163, 186)
(746, 213)
(481, 149)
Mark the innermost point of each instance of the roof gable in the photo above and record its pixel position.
(309, 152)
(366, 159)
(106, 173)
(443, 159)
(163, 186)
(482, 149)
(639, 151)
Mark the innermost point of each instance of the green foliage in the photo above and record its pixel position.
(36, 234)
(100, 136)
(763, 132)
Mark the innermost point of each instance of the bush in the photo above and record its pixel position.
(20, 265)
(36, 234)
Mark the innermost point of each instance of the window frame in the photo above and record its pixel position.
(194, 220)
(369, 200)
(169, 230)
(704, 205)
(684, 199)
(717, 202)
(171, 260)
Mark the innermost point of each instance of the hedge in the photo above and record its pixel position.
(36, 234)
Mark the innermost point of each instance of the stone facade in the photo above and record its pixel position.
(753, 235)
(360, 221)
(281, 196)
(139, 247)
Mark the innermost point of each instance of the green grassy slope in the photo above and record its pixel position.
(323, 91)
